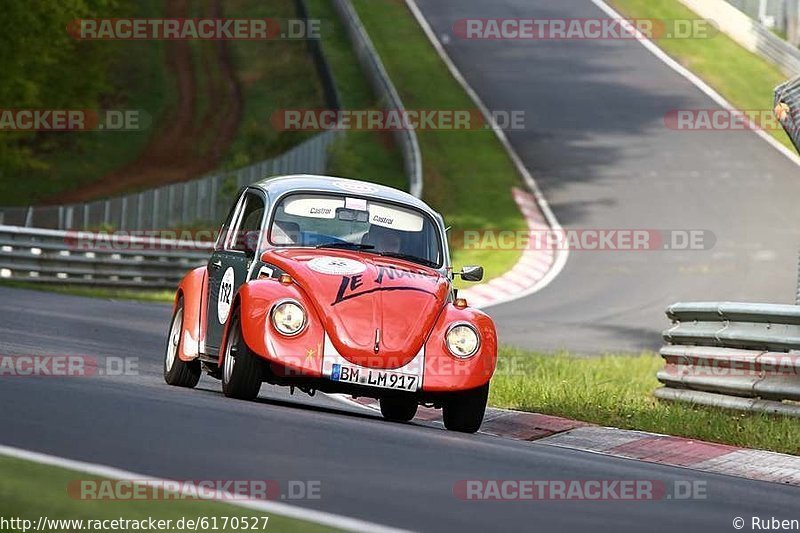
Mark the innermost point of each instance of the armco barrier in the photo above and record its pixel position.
(780, 14)
(797, 292)
(384, 90)
(67, 257)
(733, 355)
(787, 108)
(749, 33)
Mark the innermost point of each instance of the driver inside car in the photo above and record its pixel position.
(383, 239)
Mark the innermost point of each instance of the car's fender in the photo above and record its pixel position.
(445, 372)
(300, 354)
(193, 289)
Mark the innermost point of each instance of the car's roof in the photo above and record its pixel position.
(276, 186)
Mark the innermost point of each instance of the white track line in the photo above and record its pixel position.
(289, 511)
(696, 81)
(348, 400)
(561, 255)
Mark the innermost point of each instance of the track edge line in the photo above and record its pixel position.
(561, 256)
(282, 509)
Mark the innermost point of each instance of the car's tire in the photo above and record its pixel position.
(398, 409)
(463, 411)
(242, 371)
(177, 371)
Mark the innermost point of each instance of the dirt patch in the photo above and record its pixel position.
(188, 142)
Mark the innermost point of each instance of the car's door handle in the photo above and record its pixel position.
(216, 264)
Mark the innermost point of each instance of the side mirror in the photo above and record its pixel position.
(471, 273)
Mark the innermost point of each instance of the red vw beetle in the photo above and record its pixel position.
(340, 286)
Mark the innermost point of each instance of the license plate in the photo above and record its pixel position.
(372, 377)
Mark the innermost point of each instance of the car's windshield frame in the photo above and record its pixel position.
(438, 230)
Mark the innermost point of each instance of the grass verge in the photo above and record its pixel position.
(70, 159)
(367, 155)
(274, 74)
(29, 491)
(468, 175)
(742, 77)
(616, 390)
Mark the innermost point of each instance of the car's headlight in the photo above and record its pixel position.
(288, 317)
(462, 340)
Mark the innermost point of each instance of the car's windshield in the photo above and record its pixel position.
(338, 221)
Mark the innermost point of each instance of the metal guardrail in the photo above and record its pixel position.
(749, 33)
(204, 199)
(76, 258)
(771, 13)
(797, 291)
(385, 90)
(787, 108)
(733, 355)
(782, 15)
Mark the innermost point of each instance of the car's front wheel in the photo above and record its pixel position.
(177, 371)
(463, 411)
(242, 371)
(398, 409)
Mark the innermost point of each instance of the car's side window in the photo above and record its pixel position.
(249, 228)
(225, 231)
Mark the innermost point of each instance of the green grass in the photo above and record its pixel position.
(96, 292)
(467, 174)
(29, 490)
(141, 83)
(742, 77)
(616, 390)
(274, 74)
(368, 155)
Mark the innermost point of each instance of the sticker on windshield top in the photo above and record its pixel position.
(313, 206)
(336, 266)
(355, 187)
(357, 204)
(395, 218)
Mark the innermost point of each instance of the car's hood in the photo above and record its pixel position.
(376, 310)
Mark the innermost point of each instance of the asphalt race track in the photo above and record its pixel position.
(394, 474)
(597, 144)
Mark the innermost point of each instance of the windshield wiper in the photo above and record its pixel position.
(410, 257)
(346, 245)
